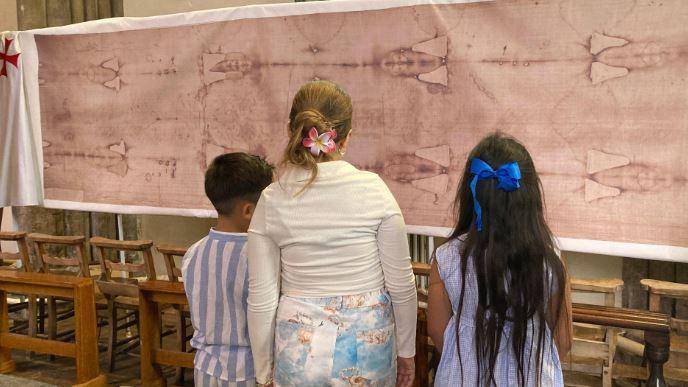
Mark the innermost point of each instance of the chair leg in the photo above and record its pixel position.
(607, 371)
(41, 315)
(32, 319)
(112, 337)
(606, 376)
(138, 325)
(52, 321)
(181, 342)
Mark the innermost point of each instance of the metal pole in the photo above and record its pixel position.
(120, 236)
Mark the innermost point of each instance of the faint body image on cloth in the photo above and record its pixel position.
(594, 88)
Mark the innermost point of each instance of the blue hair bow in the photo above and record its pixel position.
(508, 176)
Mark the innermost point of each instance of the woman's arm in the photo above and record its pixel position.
(263, 293)
(439, 307)
(399, 281)
(401, 284)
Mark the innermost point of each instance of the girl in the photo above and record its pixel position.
(331, 287)
(499, 298)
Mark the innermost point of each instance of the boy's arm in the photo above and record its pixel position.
(263, 293)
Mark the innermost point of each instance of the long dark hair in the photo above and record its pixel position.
(519, 274)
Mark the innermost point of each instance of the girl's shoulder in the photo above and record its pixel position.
(451, 247)
(448, 256)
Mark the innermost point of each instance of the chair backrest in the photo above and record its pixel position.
(169, 252)
(143, 246)
(8, 261)
(128, 287)
(594, 346)
(422, 270)
(611, 288)
(53, 264)
(657, 290)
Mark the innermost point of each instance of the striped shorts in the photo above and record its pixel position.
(201, 379)
(335, 341)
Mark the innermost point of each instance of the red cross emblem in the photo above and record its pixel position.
(4, 57)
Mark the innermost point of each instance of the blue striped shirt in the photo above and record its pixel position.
(216, 284)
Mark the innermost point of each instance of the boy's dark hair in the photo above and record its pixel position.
(236, 176)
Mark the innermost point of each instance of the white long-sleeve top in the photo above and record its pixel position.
(343, 235)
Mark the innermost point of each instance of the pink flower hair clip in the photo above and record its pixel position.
(320, 143)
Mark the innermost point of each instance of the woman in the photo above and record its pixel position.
(498, 302)
(331, 287)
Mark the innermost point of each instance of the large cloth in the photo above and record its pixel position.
(130, 111)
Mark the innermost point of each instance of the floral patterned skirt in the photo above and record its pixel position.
(335, 341)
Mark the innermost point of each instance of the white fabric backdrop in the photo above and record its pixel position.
(21, 159)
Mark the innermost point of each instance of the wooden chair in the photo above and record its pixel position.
(174, 274)
(122, 292)
(76, 266)
(656, 333)
(19, 261)
(10, 261)
(169, 253)
(594, 347)
(677, 367)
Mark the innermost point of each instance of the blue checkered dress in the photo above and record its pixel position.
(506, 367)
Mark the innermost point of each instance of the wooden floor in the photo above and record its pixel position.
(62, 371)
(15, 381)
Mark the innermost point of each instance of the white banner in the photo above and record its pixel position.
(20, 151)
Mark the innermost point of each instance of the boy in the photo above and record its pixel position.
(215, 273)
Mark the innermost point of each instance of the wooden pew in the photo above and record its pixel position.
(151, 295)
(657, 328)
(84, 350)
